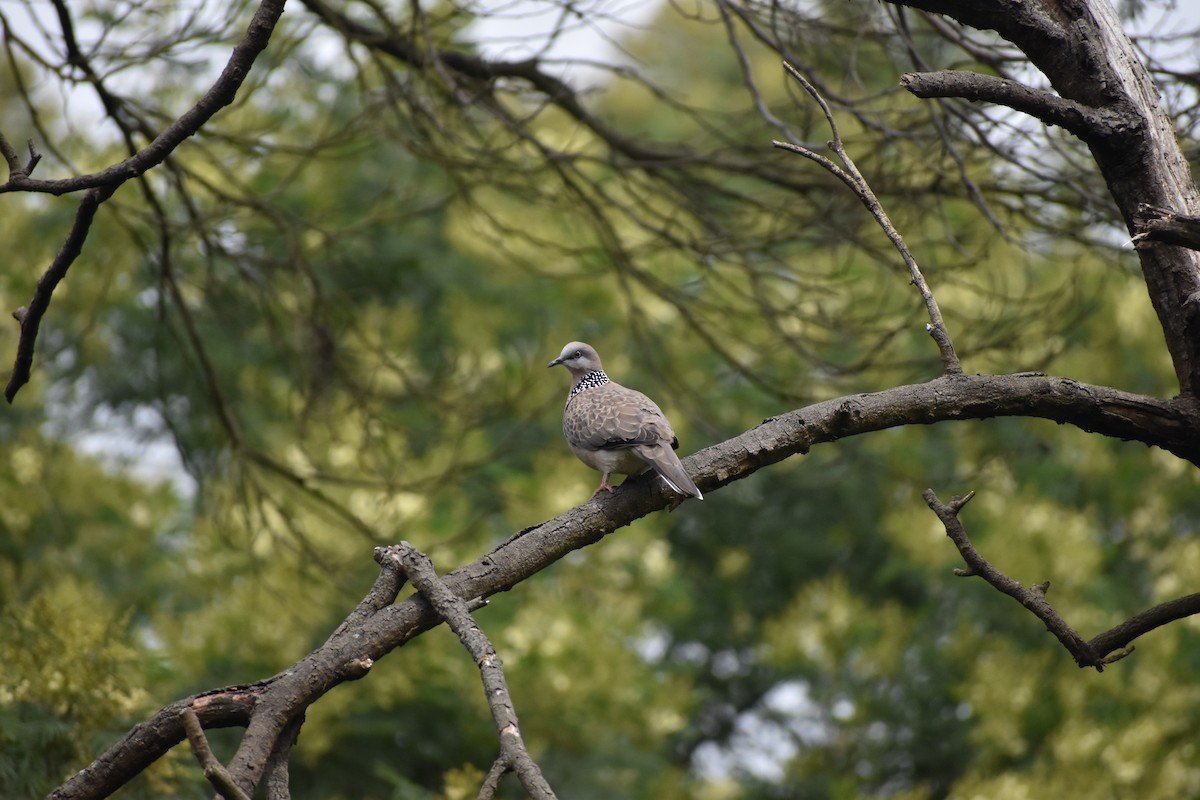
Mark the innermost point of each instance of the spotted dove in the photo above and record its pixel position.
(614, 429)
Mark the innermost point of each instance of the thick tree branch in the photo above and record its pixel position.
(1086, 123)
(378, 626)
(1098, 652)
(1084, 52)
(149, 741)
(451, 608)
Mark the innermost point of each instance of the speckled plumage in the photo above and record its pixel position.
(615, 429)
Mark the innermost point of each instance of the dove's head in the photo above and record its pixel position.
(579, 358)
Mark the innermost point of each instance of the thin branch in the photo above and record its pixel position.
(454, 610)
(10, 155)
(1121, 635)
(1099, 651)
(30, 316)
(491, 782)
(1033, 598)
(854, 179)
(214, 770)
(102, 185)
(223, 92)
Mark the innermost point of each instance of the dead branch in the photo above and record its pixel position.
(1033, 598)
(1161, 225)
(1104, 649)
(214, 770)
(452, 609)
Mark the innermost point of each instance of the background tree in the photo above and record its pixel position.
(336, 297)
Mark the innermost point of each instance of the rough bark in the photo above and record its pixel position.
(1090, 62)
(377, 626)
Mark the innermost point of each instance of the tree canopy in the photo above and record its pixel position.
(286, 281)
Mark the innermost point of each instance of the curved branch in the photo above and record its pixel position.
(222, 93)
(1093, 653)
(853, 178)
(102, 185)
(378, 626)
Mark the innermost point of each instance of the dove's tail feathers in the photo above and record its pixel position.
(667, 465)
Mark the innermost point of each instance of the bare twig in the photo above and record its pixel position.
(214, 770)
(454, 610)
(10, 155)
(1099, 651)
(850, 175)
(14, 161)
(1033, 598)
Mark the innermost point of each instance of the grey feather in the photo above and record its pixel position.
(615, 429)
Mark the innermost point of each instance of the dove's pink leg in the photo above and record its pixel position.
(604, 486)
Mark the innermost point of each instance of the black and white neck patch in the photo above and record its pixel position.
(589, 381)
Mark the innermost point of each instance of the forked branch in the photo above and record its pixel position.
(100, 186)
(453, 609)
(1110, 646)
